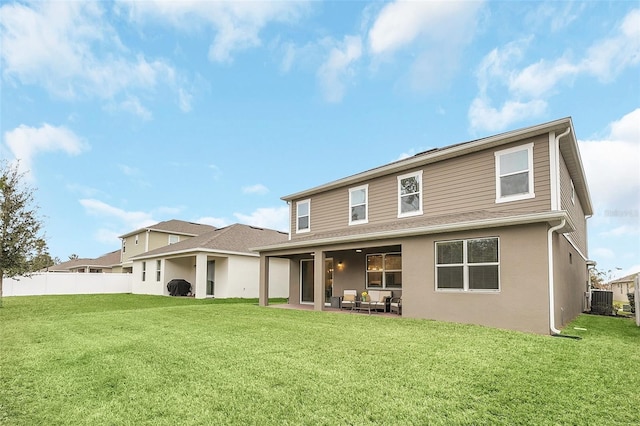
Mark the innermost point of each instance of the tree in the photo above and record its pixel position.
(22, 247)
(73, 256)
(599, 280)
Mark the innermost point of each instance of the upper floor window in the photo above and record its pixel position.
(136, 240)
(124, 245)
(303, 216)
(359, 205)
(514, 174)
(410, 194)
(468, 265)
(174, 239)
(573, 193)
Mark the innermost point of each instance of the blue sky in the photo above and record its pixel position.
(125, 114)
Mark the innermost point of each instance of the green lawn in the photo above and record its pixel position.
(135, 360)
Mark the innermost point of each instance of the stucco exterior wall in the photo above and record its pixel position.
(522, 302)
(570, 281)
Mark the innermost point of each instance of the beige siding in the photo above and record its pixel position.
(576, 213)
(458, 185)
(133, 249)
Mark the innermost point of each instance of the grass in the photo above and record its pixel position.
(147, 360)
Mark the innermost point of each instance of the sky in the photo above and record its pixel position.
(124, 114)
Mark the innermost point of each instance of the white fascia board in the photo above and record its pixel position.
(550, 217)
(192, 252)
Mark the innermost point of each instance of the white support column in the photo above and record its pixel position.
(318, 280)
(201, 276)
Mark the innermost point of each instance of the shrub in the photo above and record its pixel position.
(631, 297)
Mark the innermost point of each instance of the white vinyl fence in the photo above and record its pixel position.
(49, 283)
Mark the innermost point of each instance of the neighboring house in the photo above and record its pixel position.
(159, 235)
(623, 286)
(218, 263)
(489, 232)
(107, 263)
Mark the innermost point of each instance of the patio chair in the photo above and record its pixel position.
(377, 299)
(348, 299)
(395, 305)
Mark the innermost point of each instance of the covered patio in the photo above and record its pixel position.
(319, 277)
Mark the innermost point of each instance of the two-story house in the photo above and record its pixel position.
(489, 232)
(218, 263)
(161, 234)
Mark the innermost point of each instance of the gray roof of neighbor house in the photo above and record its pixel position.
(174, 226)
(628, 279)
(235, 238)
(568, 148)
(105, 261)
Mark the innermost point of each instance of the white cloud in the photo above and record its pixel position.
(612, 166)
(68, 48)
(128, 170)
(237, 24)
(214, 221)
(185, 100)
(339, 67)
(624, 230)
(410, 153)
(434, 33)
(26, 142)
(402, 22)
(129, 221)
(107, 236)
(531, 85)
(267, 217)
(482, 115)
(132, 105)
(255, 189)
(603, 252)
(116, 221)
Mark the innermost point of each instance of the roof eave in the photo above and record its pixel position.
(192, 251)
(554, 218)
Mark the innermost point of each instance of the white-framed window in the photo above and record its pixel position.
(468, 265)
(124, 245)
(410, 194)
(174, 239)
(514, 174)
(136, 240)
(158, 270)
(359, 205)
(573, 193)
(303, 216)
(144, 271)
(384, 270)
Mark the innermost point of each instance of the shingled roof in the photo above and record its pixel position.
(175, 226)
(235, 238)
(105, 261)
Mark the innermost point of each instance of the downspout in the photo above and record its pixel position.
(552, 319)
